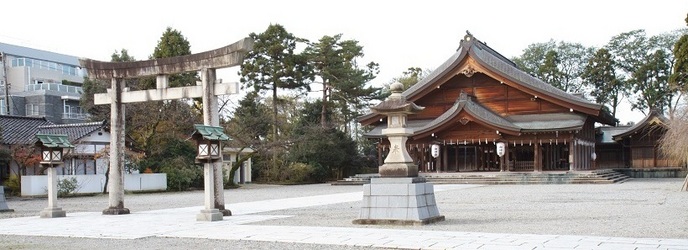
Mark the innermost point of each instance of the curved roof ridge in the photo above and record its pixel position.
(438, 72)
(483, 45)
(642, 123)
(464, 102)
(526, 79)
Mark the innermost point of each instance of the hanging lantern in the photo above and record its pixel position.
(208, 141)
(52, 148)
(501, 148)
(435, 152)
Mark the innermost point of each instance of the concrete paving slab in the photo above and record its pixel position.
(181, 223)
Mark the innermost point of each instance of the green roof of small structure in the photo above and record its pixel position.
(54, 141)
(211, 132)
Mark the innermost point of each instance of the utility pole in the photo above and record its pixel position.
(7, 84)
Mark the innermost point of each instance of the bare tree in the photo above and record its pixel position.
(674, 143)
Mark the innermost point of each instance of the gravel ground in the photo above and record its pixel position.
(637, 208)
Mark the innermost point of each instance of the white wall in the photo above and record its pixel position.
(33, 185)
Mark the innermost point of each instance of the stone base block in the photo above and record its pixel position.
(53, 212)
(3, 202)
(116, 211)
(399, 201)
(399, 222)
(209, 215)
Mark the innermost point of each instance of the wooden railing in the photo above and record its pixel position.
(523, 165)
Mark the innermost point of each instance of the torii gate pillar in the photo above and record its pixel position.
(116, 175)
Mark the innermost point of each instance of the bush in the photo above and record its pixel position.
(298, 172)
(67, 186)
(14, 185)
(182, 175)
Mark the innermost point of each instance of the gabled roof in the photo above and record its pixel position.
(654, 118)
(19, 129)
(477, 113)
(19, 51)
(74, 131)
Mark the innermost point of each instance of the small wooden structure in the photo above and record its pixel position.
(478, 98)
(634, 147)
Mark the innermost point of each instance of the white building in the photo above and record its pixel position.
(38, 83)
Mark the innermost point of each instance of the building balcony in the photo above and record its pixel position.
(75, 116)
(54, 87)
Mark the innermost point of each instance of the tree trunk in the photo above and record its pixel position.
(239, 161)
(274, 129)
(323, 116)
(107, 175)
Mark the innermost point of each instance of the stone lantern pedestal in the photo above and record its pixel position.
(3, 202)
(399, 196)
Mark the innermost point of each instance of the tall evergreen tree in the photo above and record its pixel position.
(343, 81)
(600, 74)
(559, 64)
(274, 64)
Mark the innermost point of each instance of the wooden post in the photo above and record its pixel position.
(445, 159)
(537, 157)
(506, 156)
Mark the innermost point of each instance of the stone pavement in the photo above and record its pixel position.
(181, 223)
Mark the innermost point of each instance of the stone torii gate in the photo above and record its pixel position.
(205, 62)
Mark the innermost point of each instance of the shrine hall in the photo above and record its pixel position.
(479, 98)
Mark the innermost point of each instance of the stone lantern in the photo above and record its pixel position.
(52, 151)
(399, 196)
(398, 162)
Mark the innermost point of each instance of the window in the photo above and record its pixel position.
(18, 62)
(3, 109)
(32, 110)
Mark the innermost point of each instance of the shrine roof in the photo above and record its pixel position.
(475, 110)
(548, 122)
(654, 118)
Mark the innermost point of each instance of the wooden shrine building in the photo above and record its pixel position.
(636, 146)
(478, 98)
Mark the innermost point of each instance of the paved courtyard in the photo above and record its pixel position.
(638, 214)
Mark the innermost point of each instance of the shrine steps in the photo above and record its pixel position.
(606, 176)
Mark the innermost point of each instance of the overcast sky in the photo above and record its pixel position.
(395, 34)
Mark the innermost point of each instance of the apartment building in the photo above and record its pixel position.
(39, 83)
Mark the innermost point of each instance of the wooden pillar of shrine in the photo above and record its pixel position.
(505, 162)
(445, 159)
(537, 157)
